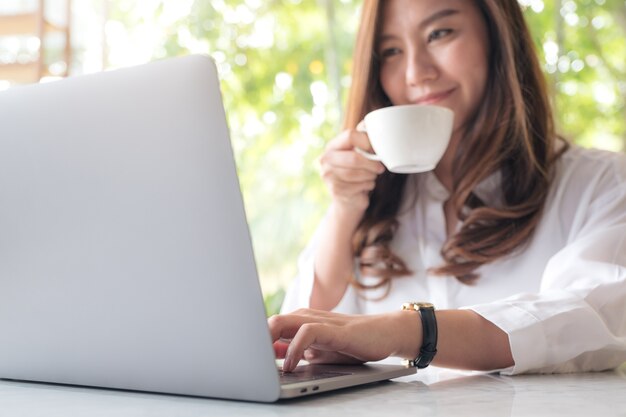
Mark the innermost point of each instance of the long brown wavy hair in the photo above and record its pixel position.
(511, 132)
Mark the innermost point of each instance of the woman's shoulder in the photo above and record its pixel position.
(591, 166)
(586, 179)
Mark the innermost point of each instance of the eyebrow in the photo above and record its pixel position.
(438, 15)
(429, 20)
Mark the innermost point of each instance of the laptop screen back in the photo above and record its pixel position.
(125, 257)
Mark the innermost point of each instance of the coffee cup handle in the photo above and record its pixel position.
(371, 156)
(366, 154)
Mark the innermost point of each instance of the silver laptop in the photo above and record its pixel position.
(125, 256)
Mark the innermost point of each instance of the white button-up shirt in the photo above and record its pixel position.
(561, 298)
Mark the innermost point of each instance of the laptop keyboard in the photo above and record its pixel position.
(305, 374)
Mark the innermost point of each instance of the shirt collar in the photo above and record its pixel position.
(488, 190)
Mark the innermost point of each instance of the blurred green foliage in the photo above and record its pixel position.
(285, 68)
(583, 46)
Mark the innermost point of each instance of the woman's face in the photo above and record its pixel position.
(434, 52)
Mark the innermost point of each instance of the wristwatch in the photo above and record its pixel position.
(428, 350)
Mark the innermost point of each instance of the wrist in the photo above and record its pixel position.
(428, 347)
(346, 215)
(409, 329)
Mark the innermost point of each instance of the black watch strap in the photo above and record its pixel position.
(428, 350)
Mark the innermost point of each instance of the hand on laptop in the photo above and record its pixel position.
(323, 337)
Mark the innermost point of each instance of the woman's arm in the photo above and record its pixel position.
(466, 340)
(349, 177)
(334, 260)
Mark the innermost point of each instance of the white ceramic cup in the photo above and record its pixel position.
(408, 138)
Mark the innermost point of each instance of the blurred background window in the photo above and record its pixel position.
(285, 68)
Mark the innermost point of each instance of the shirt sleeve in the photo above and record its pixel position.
(577, 321)
(299, 292)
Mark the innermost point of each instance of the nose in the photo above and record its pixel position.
(420, 67)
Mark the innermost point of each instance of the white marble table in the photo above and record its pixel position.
(434, 392)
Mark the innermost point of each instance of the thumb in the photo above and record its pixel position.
(360, 138)
(350, 139)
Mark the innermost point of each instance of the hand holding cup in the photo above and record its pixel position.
(349, 176)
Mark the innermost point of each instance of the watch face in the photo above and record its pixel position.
(416, 305)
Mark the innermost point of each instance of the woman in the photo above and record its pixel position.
(518, 239)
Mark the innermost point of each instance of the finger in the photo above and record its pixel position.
(322, 314)
(311, 312)
(345, 140)
(318, 335)
(350, 159)
(360, 139)
(280, 349)
(349, 139)
(285, 326)
(350, 175)
(342, 189)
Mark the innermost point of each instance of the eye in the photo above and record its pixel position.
(389, 52)
(438, 34)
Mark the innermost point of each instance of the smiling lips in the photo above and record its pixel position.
(434, 97)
